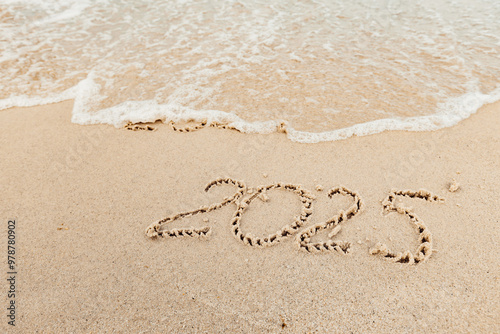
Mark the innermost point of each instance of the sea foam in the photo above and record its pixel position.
(327, 70)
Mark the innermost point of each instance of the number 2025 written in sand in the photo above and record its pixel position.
(243, 198)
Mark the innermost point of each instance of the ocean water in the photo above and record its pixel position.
(329, 69)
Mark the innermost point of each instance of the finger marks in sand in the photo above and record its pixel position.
(247, 238)
(343, 247)
(156, 228)
(424, 250)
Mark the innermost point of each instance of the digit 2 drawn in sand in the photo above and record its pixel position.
(424, 250)
(247, 238)
(343, 247)
(155, 229)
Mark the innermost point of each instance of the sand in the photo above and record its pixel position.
(83, 197)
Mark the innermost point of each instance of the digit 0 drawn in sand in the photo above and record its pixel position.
(306, 198)
(424, 250)
(155, 229)
(343, 247)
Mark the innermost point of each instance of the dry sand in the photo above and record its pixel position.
(84, 195)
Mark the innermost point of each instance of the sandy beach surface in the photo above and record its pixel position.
(83, 196)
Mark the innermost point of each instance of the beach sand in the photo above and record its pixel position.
(82, 197)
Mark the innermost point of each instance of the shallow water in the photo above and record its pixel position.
(330, 69)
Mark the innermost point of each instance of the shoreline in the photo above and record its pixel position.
(103, 186)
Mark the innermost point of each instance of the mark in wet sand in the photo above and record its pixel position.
(137, 127)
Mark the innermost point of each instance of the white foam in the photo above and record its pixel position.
(75, 8)
(87, 94)
(450, 113)
(329, 68)
(27, 101)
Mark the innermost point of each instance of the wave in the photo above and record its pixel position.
(327, 70)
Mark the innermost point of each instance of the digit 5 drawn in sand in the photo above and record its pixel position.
(343, 247)
(424, 251)
(247, 238)
(155, 229)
